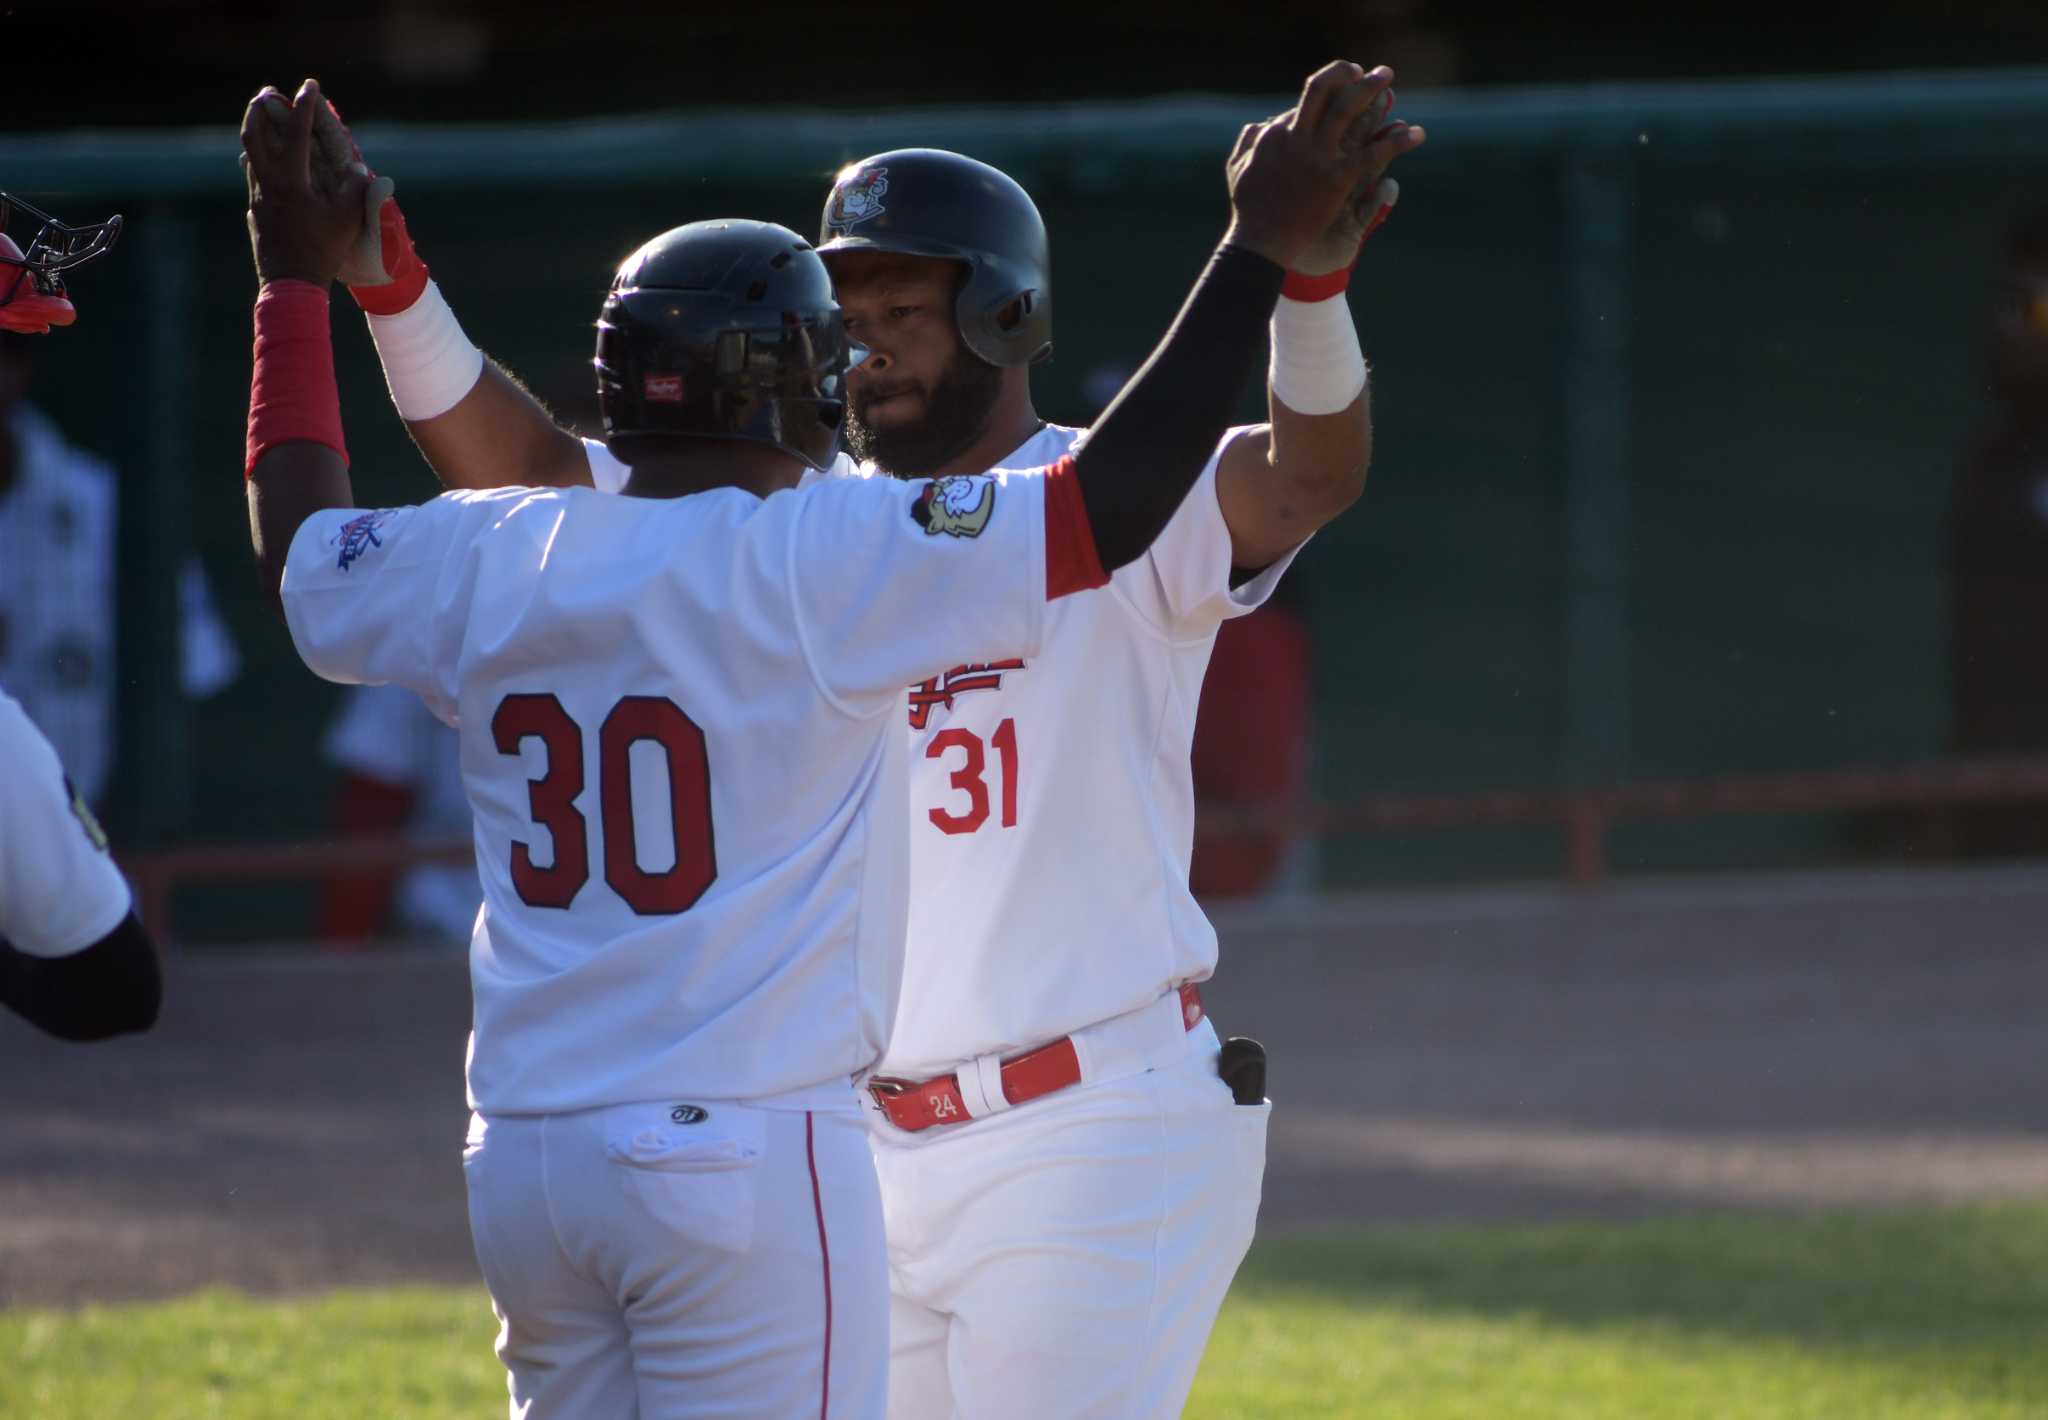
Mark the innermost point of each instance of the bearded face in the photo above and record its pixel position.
(911, 428)
(921, 398)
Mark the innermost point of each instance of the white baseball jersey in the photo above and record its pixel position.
(679, 740)
(59, 891)
(1052, 808)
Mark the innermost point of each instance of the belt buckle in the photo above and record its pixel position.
(886, 1087)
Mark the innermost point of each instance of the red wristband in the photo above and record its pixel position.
(292, 395)
(1298, 287)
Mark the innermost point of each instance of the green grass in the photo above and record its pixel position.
(1873, 1317)
(1927, 1314)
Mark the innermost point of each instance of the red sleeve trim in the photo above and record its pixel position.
(1315, 288)
(292, 395)
(1071, 561)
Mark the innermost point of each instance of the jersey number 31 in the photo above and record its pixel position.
(969, 778)
(552, 801)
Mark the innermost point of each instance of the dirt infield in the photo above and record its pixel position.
(1845, 1040)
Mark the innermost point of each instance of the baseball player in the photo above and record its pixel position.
(689, 692)
(1067, 1184)
(73, 959)
(1068, 1257)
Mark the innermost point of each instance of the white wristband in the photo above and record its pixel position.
(1317, 367)
(429, 364)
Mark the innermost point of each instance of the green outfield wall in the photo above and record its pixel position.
(1672, 385)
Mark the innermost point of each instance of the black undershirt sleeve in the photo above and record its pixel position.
(113, 987)
(1148, 448)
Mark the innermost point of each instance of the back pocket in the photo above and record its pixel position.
(695, 1180)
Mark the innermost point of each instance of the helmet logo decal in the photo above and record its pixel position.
(959, 504)
(662, 389)
(859, 198)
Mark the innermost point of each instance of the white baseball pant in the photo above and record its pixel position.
(649, 1264)
(1066, 1258)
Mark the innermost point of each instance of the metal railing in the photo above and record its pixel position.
(1586, 817)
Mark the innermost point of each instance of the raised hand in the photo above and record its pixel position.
(298, 229)
(335, 159)
(1293, 176)
(384, 273)
(1382, 141)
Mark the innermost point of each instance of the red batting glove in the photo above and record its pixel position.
(401, 263)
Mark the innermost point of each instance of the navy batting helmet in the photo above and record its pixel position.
(723, 330)
(928, 202)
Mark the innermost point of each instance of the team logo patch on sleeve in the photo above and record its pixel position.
(959, 504)
(857, 198)
(359, 535)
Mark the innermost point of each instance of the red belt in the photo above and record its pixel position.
(914, 1105)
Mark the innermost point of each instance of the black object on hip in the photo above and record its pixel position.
(1243, 1067)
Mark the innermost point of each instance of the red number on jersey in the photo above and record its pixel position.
(1005, 741)
(659, 721)
(551, 799)
(968, 777)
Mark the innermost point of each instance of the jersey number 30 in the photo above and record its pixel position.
(552, 801)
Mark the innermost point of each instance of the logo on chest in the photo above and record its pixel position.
(940, 689)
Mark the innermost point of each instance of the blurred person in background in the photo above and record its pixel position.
(56, 579)
(1999, 550)
(59, 581)
(1252, 748)
(401, 772)
(1253, 732)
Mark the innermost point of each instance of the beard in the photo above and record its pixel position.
(957, 410)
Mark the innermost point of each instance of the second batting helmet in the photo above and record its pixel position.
(724, 330)
(928, 202)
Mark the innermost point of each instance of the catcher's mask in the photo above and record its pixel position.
(32, 296)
